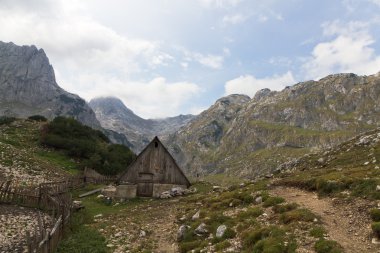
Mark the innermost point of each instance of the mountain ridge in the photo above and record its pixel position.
(28, 87)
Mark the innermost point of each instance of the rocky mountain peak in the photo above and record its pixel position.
(28, 87)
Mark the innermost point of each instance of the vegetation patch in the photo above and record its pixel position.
(89, 145)
(297, 215)
(327, 246)
(268, 239)
(271, 201)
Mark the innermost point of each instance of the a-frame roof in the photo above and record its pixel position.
(156, 139)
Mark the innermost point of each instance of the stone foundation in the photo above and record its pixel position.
(126, 191)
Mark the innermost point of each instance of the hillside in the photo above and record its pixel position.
(114, 115)
(28, 87)
(273, 127)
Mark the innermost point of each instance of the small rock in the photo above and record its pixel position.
(220, 231)
(142, 233)
(98, 216)
(201, 229)
(375, 241)
(366, 163)
(100, 196)
(321, 160)
(259, 200)
(196, 215)
(181, 232)
(377, 187)
(110, 245)
(118, 234)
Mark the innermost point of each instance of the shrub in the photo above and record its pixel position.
(268, 239)
(39, 118)
(89, 145)
(271, 201)
(375, 214)
(4, 120)
(376, 228)
(297, 215)
(284, 208)
(327, 246)
(222, 245)
(318, 232)
(251, 212)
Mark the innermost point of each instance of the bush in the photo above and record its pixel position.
(251, 212)
(89, 145)
(39, 118)
(375, 214)
(297, 215)
(284, 208)
(4, 120)
(376, 228)
(327, 246)
(269, 239)
(318, 232)
(271, 201)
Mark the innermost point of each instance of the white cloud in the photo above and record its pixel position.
(234, 19)
(156, 98)
(219, 3)
(249, 85)
(377, 2)
(349, 51)
(207, 60)
(91, 59)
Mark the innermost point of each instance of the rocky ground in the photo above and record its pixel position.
(346, 222)
(149, 226)
(15, 221)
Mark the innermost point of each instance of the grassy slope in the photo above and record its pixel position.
(25, 160)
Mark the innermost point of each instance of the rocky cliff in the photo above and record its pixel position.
(249, 137)
(114, 115)
(28, 87)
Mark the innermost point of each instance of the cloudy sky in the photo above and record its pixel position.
(167, 57)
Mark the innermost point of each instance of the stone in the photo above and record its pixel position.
(177, 191)
(201, 229)
(142, 233)
(181, 232)
(98, 216)
(196, 215)
(377, 187)
(220, 231)
(109, 191)
(165, 195)
(100, 196)
(375, 241)
(321, 160)
(110, 245)
(259, 200)
(216, 188)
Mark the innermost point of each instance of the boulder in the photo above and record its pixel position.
(177, 191)
(201, 229)
(220, 231)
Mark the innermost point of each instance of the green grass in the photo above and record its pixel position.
(271, 201)
(297, 215)
(59, 159)
(375, 214)
(81, 238)
(318, 232)
(327, 246)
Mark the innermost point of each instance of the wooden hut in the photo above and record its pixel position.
(153, 172)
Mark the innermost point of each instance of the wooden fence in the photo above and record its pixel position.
(53, 198)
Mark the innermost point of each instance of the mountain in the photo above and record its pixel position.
(114, 115)
(28, 87)
(250, 137)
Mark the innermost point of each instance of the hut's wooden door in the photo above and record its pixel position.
(145, 185)
(145, 189)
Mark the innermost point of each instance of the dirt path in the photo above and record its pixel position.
(346, 223)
